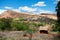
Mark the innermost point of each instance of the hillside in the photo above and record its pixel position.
(14, 14)
(51, 16)
(44, 19)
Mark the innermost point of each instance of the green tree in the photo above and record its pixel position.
(17, 25)
(1, 25)
(57, 25)
(58, 16)
(6, 24)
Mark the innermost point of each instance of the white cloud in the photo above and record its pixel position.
(21, 9)
(7, 7)
(1, 11)
(11, 8)
(28, 9)
(35, 12)
(16, 10)
(46, 11)
(40, 4)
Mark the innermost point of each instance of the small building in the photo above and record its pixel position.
(45, 29)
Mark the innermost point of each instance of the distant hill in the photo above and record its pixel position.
(51, 16)
(14, 14)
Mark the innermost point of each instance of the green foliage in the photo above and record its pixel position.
(5, 24)
(40, 24)
(1, 24)
(32, 29)
(17, 25)
(57, 25)
(11, 24)
(22, 19)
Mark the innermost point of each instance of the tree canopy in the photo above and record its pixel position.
(57, 25)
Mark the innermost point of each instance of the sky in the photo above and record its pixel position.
(31, 6)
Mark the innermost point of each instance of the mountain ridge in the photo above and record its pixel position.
(14, 14)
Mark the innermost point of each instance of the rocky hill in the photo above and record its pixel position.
(14, 14)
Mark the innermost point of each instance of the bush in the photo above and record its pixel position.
(5, 24)
(19, 25)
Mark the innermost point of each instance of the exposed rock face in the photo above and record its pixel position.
(51, 16)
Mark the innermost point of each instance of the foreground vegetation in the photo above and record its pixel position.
(10, 24)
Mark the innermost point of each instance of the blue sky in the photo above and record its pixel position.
(34, 6)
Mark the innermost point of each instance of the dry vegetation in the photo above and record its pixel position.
(46, 20)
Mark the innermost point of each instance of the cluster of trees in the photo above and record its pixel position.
(10, 24)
